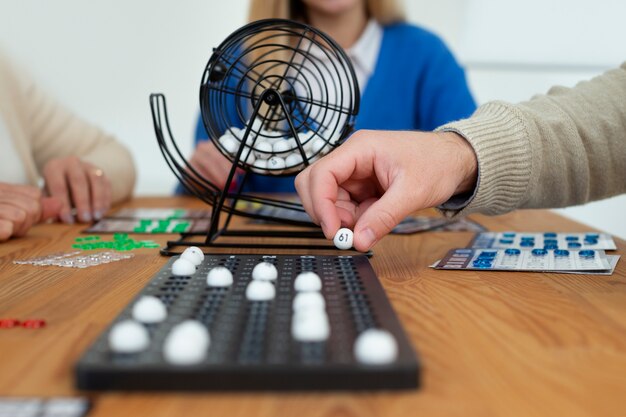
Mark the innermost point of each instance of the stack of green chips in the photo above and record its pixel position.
(120, 242)
(161, 227)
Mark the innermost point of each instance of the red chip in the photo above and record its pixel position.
(9, 323)
(34, 324)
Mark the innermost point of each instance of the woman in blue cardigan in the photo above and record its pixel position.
(408, 78)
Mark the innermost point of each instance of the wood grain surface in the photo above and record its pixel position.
(492, 343)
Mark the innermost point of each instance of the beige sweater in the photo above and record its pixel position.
(564, 148)
(42, 129)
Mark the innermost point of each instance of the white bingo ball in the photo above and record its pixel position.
(257, 125)
(306, 139)
(229, 143)
(307, 281)
(375, 347)
(248, 156)
(236, 132)
(187, 343)
(276, 164)
(149, 309)
(265, 271)
(283, 146)
(317, 146)
(293, 159)
(183, 268)
(260, 166)
(343, 239)
(193, 254)
(268, 134)
(308, 300)
(310, 326)
(262, 149)
(260, 291)
(128, 336)
(219, 276)
(335, 138)
(250, 139)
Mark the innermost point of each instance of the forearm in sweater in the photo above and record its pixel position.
(564, 148)
(55, 132)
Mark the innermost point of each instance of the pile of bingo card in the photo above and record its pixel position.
(539, 252)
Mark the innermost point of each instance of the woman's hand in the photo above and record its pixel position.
(80, 185)
(22, 206)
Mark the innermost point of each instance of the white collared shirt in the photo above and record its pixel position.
(325, 80)
(364, 52)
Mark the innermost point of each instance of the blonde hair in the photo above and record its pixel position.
(384, 11)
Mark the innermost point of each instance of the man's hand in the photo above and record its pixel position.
(80, 185)
(377, 178)
(21, 206)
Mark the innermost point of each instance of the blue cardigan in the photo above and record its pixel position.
(416, 85)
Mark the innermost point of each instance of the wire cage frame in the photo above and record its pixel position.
(275, 96)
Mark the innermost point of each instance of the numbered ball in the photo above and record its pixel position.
(310, 326)
(229, 143)
(307, 281)
(187, 343)
(149, 309)
(219, 276)
(257, 125)
(283, 146)
(183, 268)
(375, 347)
(293, 159)
(306, 139)
(265, 271)
(193, 254)
(335, 139)
(236, 132)
(308, 300)
(262, 149)
(248, 156)
(260, 291)
(318, 146)
(128, 336)
(276, 164)
(343, 238)
(260, 166)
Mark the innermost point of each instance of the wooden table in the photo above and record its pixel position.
(492, 344)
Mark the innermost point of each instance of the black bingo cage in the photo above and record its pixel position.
(275, 96)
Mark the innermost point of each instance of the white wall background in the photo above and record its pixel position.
(103, 58)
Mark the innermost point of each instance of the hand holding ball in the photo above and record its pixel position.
(343, 238)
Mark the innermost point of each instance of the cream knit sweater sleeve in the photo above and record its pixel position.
(564, 148)
(52, 131)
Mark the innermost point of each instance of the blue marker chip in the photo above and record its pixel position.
(588, 253)
(482, 263)
(561, 252)
(512, 252)
(539, 252)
